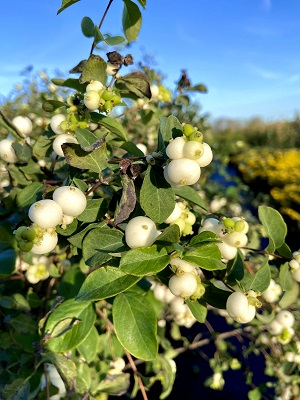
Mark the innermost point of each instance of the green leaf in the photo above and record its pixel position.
(165, 373)
(94, 69)
(136, 82)
(23, 151)
(98, 35)
(71, 83)
(235, 269)
(131, 20)
(94, 210)
(198, 309)
(104, 283)
(17, 390)
(285, 277)
(204, 237)
(169, 236)
(110, 124)
(157, 198)
(114, 40)
(207, 257)
(171, 128)
(197, 88)
(114, 384)
(66, 367)
(142, 3)
(88, 346)
(65, 4)
(259, 281)
(100, 243)
(30, 194)
(127, 201)
(274, 224)
(133, 313)
(10, 126)
(216, 297)
(52, 105)
(87, 27)
(190, 194)
(290, 297)
(85, 137)
(68, 339)
(144, 261)
(96, 160)
(76, 240)
(8, 258)
(43, 146)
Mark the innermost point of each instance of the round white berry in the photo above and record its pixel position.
(23, 124)
(92, 100)
(94, 85)
(285, 318)
(184, 171)
(61, 139)
(236, 239)
(296, 275)
(183, 266)
(183, 285)
(140, 232)
(7, 152)
(275, 328)
(174, 150)
(193, 150)
(174, 215)
(206, 157)
(154, 91)
(55, 122)
(71, 199)
(47, 243)
(210, 224)
(178, 306)
(239, 309)
(45, 213)
(227, 252)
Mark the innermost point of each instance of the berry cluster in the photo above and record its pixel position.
(188, 154)
(282, 326)
(242, 307)
(99, 97)
(183, 217)
(67, 203)
(232, 232)
(59, 124)
(272, 294)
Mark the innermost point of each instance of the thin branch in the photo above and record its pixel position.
(100, 25)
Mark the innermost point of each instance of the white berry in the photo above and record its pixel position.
(285, 318)
(92, 100)
(23, 124)
(140, 232)
(239, 309)
(193, 150)
(174, 149)
(94, 85)
(206, 157)
(45, 213)
(61, 139)
(174, 215)
(183, 285)
(71, 199)
(7, 152)
(184, 171)
(236, 239)
(47, 243)
(55, 122)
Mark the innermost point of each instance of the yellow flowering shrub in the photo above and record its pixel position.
(280, 169)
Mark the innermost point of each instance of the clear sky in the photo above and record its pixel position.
(247, 52)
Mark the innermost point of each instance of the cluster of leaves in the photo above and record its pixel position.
(97, 304)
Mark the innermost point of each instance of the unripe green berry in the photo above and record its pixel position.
(28, 234)
(239, 226)
(116, 99)
(228, 223)
(196, 136)
(188, 129)
(107, 94)
(108, 106)
(187, 230)
(18, 232)
(199, 292)
(25, 246)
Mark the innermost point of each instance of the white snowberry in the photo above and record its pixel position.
(140, 232)
(46, 244)
(236, 239)
(174, 215)
(275, 328)
(296, 275)
(71, 199)
(23, 124)
(92, 100)
(61, 139)
(174, 150)
(285, 318)
(55, 122)
(183, 266)
(184, 171)
(7, 152)
(45, 213)
(239, 309)
(227, 252)
(206, 157)
(183, 285)
(94, 85)
(193, 150)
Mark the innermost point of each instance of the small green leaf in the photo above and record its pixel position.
(216, 297)
(88, 346)
(133, 313)
(169, 236)
(30, 194)
(52, 105)
(94, 210)
(274, 224)
(131, 20)
(70, 309)
(110, 124)
(285, 277)
(235, 269)
(204, 237)
(136, 82)
(207, 257)
(65, 367)
(157, 198)
(65, 4)
(114, 40)
(260, 281)
(71, 83)
(17, 390)
(87, 27)
(198, 309)
(76, 240)
(23, 151)
(94, 69)
(197, 88)
(144, 261)
(98, 35)
(104, 283)
(127, 201)
(96, 160)
(190, 194)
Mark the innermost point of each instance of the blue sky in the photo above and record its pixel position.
(247, 52)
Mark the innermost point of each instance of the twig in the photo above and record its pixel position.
(101, 22)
